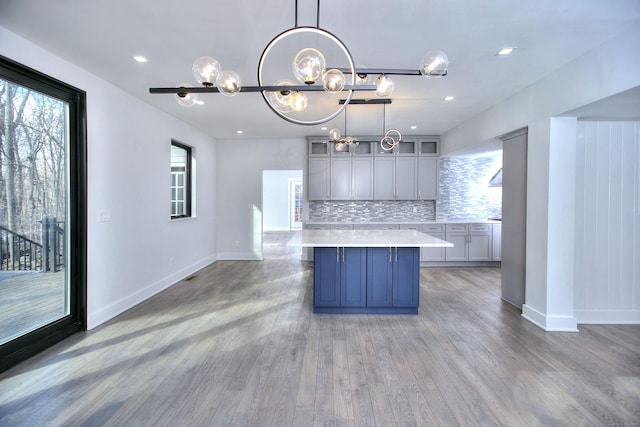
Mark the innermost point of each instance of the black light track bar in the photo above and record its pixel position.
(388, 71)
(213, 89)
(372, 101)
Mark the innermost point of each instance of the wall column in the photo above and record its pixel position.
(550, 224)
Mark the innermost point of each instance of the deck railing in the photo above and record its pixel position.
(19, 253)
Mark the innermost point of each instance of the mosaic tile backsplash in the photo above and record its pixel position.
(464, 193)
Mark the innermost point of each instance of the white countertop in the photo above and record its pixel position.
(370, 238)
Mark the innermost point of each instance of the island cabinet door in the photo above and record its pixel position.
(379, 277)
(406, 277)
(326, 277)
(353, 269)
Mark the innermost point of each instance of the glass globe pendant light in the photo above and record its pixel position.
(186, 99)
(281, 100)
(205, 70)
(333, 81)
(298, 101)
(434, 64)
(384, 86)
(334, 134)
(308, 65)
(228, 83)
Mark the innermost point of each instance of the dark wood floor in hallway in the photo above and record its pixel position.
(238, 345)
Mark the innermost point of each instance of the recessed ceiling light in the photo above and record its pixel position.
(323, 128)
(505, 51)
(414, 127)
(239, 131)
(139, 58)
(448, 98)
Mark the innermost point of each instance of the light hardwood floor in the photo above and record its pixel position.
(237, 345)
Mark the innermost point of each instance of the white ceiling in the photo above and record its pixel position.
(103, 35)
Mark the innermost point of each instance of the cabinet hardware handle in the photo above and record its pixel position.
(389, 254)
(396, 254)
(342, 254)
(337, 254)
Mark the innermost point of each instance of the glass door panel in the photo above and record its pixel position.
(34, 203)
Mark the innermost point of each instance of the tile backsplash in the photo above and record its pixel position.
(372, 210)
(464, 193)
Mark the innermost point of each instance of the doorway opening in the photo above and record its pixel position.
(282, 213)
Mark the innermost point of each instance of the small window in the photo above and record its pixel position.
(180, 180)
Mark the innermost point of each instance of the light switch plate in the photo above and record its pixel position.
(104, 216)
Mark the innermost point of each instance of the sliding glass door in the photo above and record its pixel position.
(42, 205)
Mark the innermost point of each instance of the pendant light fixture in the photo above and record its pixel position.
(391, 137)
(321, 64)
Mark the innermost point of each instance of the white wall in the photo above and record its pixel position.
(602, 72)
(140, 251)
(607, 224)
(239, 174)
(276, 198)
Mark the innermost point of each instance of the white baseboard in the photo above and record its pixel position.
(98, 317)
(608, 317)
(240, 256)
(549, 323)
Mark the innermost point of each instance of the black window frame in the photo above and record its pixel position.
(188, 183)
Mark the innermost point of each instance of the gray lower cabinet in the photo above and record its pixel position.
(433, 254)
(472, 242)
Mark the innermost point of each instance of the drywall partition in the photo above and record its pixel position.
(607, 224)
(139, 251)
(514, 214)
(239, 174)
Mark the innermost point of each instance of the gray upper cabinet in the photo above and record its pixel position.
(395, 178)
(318, 178)
(362, 178)
(384, 185)
(340, 178)
(406, 178)
(428, 178)
(366, 172)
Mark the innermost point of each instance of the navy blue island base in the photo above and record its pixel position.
(376, 280)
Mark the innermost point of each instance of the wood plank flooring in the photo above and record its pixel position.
(238, 345)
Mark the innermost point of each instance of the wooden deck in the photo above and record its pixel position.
(29, 300)
(238, 345)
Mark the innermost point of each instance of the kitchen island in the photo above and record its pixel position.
(367, 271)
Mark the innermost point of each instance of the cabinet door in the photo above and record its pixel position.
(406, 178)
(406, 277)
(362, 178)
(480, 246)
(428, 181)
(433, 254)
(379, 277)
(326, 277)
(340, 178)
(384, 178)
(459, 250)
(318, 182)
(353, 277)
(496, 242)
